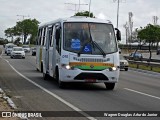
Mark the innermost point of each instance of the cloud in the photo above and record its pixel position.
(48, 10)
(101, 16)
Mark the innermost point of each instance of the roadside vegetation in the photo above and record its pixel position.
(143, 67)
(27, 29)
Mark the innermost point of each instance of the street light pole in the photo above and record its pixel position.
(117, 13)
(89, 7)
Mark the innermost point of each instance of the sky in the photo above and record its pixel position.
(143, 11)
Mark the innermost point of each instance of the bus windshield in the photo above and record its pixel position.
(81, 37)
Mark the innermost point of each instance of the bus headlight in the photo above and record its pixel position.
(68, 67)
(112, 69)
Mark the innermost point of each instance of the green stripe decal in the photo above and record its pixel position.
(92, 67)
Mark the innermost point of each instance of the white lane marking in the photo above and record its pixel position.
(54, 95)
(142, 93)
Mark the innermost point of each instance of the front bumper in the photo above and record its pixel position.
(78, 75)
(18, 56)
(123, 66)
(25, 50)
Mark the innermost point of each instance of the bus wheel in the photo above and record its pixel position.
(42, 67)
(126, 69)
(109, 86)
(60, 83)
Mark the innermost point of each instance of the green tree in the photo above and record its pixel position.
(26, 28)
(9, 33)
(85, 13)
(17, 41)
(150, 34)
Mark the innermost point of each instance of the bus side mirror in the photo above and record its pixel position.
(118, 34)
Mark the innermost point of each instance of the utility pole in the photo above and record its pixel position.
(127, 31)
(89, 7)
(118, 1)
(117, 13)
(155, 19)
(130, 25)
(79, 5)
(75, 5)
(23, 17)
(130, 28)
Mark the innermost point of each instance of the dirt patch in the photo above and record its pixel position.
(5, 107)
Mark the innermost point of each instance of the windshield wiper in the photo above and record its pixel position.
(100, 49)
(95, 43)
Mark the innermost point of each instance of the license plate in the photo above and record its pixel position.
(90, 80)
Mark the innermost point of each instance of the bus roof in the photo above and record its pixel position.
(77, 19)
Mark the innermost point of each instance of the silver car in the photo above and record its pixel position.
(9, 49)
(123, 63)
(26, 48)
(18, 52)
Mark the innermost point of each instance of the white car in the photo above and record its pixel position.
(6, 46)
(9, 49)
(123, 63)
(18, 52)
(26, 48)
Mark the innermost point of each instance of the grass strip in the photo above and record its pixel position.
(143, 67)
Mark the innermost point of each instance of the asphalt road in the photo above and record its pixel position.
(136, 91)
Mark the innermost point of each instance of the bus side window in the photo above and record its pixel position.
(51, 36)
(41, 39)
(58, 38)
(39, 36)
(44, 36)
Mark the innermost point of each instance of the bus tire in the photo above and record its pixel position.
(126, 69)
(41, 67)
(60, 83)
(109, 86)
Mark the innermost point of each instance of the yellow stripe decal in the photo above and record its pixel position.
(90, 63)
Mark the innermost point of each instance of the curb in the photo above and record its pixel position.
(9, 100)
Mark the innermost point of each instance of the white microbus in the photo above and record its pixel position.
(79, 49)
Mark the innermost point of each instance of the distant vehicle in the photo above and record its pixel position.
(6, 46)
(136, 56)
(18, 52)
(26, 48)
(33, 51)
(9, 49)
(123, 63)
(158, 51)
